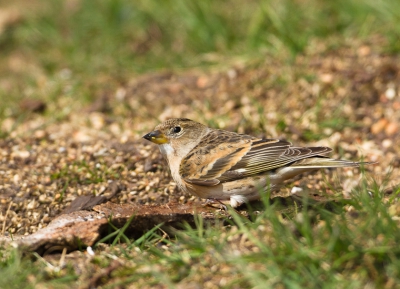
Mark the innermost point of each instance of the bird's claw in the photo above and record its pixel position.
(210, 202)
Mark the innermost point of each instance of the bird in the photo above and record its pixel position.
(222, 166)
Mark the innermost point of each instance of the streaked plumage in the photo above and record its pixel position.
(223, 165)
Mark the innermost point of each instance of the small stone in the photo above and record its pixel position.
(40, 134)
(232, 73)
(379, 126)
(81, 136)
(120, 94)
(175, 88)
(102, 190)
(202, 82)
(90, 251)
(31, 205)
(32, 105)
(148, 166)
(97, 120)
(16, 179)
(21, 154)
(326, 78)
(387, 143)
(392, 128)
(61, 150)
(364, 50)
(296, 190)
(390, 93)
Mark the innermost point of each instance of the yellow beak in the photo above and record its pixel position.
(156, 137)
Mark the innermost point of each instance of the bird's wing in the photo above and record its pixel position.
(216, 153)
(270, 154)
(223, 156)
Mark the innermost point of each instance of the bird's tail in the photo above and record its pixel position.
(311, 164)
(316, 163)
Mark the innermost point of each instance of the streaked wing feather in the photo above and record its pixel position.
(216, 153)
(266, 155)
(211, 182)
(223, 156)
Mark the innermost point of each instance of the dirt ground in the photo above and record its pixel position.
(348, 99)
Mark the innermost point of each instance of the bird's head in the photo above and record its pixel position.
(181, 134)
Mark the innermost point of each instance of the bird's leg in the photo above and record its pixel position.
(210, 202)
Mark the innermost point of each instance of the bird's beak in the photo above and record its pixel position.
(156, 137)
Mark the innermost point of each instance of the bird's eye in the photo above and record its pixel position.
(177, 129)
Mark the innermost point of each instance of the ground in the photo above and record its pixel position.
(47, 165)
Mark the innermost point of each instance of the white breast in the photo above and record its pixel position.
(166, 149)
(174, 162)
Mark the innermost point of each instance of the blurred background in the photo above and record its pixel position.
(58, 57)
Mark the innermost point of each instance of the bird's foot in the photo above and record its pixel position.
(211, 202)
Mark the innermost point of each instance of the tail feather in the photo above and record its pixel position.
(306, 165)
(315, 163)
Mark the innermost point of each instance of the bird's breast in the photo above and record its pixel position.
(174, 163)
(167, 150)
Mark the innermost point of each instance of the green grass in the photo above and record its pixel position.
(84, 46)
(14, 269)
(123, 35)
(81, 172)
(350, 246)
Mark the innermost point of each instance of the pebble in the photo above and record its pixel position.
(202, 82)
(97, 120)
(387, 143)
(390, 93)
(232, 73)
(296, 190)
(326, 78)
(31, 205)
(61, 150)
(16, 179)
(379, 126)
(39, 134)
(120, 94)
(392, 128)
(364, 50)
(90, 251)
(21, 154)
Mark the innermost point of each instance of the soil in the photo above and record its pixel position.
(348, 99)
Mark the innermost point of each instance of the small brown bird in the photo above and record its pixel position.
(221, 165)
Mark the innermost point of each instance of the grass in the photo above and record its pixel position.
(154, 35)
(350, 246)
(81, 173)
(15, 270)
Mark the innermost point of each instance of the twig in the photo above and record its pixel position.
(5, 219)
